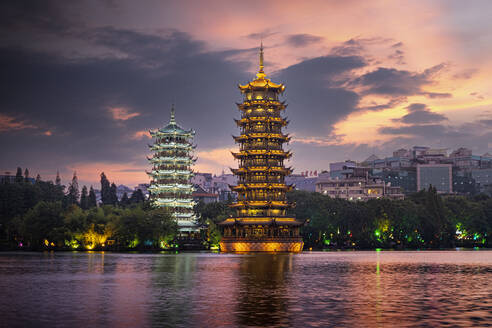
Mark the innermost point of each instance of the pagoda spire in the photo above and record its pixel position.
(173, 119)
(261, 73)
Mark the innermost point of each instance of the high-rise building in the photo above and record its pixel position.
(170, 185)
(261, 222)
(439, 176)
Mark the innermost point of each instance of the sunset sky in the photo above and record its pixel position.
(83, 81)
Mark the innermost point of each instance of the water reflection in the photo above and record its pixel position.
(263, 286)
(342, 289)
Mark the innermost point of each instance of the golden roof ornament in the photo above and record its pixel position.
(261, 82)
(173, 119)
(261, 74)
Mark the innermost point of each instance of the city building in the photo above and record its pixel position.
(301, 182)
(261, 222)
(201, 195)
(440, 176)
(204, 180)
(483, 179)
(358, 185)
(405, 178)
(9, 178)
(338, 169)
(170, 185)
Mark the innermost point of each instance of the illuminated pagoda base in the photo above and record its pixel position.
(261, 223)
(249, 236)
(171, 186)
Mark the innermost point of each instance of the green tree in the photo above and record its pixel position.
(125, 201)
(137, 197)
(92, 201)
(84, 198)
(26, 175)
(44, 224)
(18, 176)
(113, 194)
(73, 191)
(106, 198)
(58, 179)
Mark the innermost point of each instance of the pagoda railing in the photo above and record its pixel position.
(262, 130)
(172, 181)
(252, 180)
(261, 145)
(260, 162)
(261, 238)
(252, 198)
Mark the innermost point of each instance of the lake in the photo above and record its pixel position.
(311, 289)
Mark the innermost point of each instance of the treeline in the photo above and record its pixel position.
(423, 220)
(40, 215)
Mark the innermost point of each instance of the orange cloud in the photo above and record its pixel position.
(215, 160)
(48, 133)
(141, 134)
(9, 123)
(121, 113)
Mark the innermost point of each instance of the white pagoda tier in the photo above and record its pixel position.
(170, 185)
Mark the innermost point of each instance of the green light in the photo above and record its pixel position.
(377, 233)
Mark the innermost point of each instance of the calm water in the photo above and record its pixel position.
(350, 289)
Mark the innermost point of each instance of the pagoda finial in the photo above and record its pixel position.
(261, 74)
(261, 57)
(173, 120)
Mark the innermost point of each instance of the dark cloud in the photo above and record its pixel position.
(315, 100)
(302, 40)
(71, 98)
(397, 45)
(398, 56)
(356, 46)
(261, 35)
(420, 115)
(394, 82)
(428, 130)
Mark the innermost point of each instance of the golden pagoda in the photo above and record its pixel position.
(261, 223)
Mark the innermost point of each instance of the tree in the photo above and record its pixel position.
(58, 179)
(73, 191)
(84, 198)
(92, 201)
(137, 197)
(105, 190)
(26, 175)
(113, 195)
(43, 225)
(18, 176)
(125, 201)
(38, 178)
